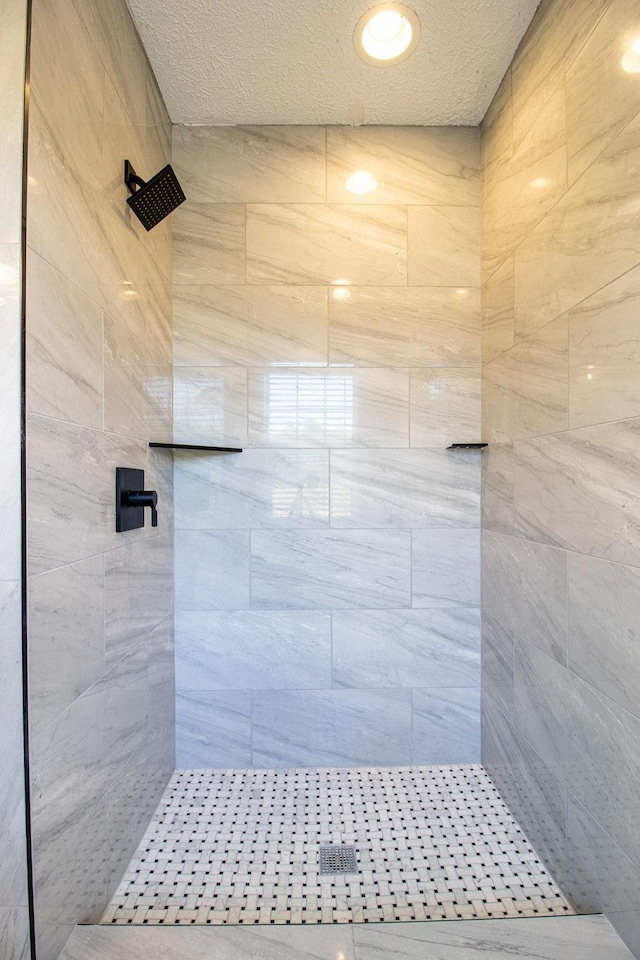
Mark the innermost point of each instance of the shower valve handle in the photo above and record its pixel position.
(142, 498)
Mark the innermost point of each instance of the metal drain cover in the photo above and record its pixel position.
(338, 859)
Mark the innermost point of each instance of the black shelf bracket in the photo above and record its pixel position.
(194, 446)
(467, 446)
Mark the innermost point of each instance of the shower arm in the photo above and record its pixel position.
(131, 178)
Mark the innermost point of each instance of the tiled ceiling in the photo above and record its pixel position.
(286, 62)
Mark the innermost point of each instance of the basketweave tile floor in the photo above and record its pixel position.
(243, 847)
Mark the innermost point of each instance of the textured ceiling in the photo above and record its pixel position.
(293, 61)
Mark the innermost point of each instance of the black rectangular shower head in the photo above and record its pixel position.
(153, 200)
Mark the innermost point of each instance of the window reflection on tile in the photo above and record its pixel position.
(210, 405)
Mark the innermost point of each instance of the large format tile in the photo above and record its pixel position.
(445, 406)
(446, 725)
(212, 569)
(270, 650)
(604, 599)
(406, 648)
(337, 407)
(249, 325)
(579, 490)
(326, 942)
(535, 795)
(555, 269)
(590, 742)
(604, 353)
(496, 142)
(498, 488)
(250, 164)
(498, 312)
(213, 729)
(208, 243)
(602, 97)
(64, 348)
(445, 568)
(14, 933)
(430, 165)
(404, 489)
(497, 664)
(331, 728)
(525, 589)
(66, 637)
(210, 405)
(409, 326)
(337, 568)
(525, 390)
(316, 243)
(258, 488)
(10, 507)
(444, 246)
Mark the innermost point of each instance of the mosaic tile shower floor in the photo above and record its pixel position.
(242, 846)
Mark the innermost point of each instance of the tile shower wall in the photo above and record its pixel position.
(99, 388)
(14, 917)
(561, 252)
(327, 578)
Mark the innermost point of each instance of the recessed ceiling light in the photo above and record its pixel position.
(387, 34)
(631, 59)
(361, 182)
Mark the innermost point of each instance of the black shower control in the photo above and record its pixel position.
(131, 500)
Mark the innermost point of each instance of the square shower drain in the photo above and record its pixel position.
(338, 858)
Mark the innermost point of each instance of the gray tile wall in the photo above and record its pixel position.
(99, 388)
(561, 543)
(327, 578)
(14, 918)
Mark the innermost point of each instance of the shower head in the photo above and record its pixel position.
(153, 200)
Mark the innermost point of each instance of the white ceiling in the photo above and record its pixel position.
(293, 61)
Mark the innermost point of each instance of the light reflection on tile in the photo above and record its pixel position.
(210, 405)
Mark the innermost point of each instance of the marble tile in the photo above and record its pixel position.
(498, 488)
(69, 493)
(10, 523)
(326, 942)
(210, 405)
(446, 725)
(406, 327)
(317, 243)
(496, 142)
(64, 348)
(261, 164)
(337, 407)
(258, 488)
(125, 716)
(445, 406)
(162, 721)
(600, 877)
(404, 489)
(587, 740)
(213, 729)
(128, 385)
(525, 390)
(138, 592)
(445, 568)
(525, 590)
(271, 650)
(14, 933)
(12, 68)
(578, 490)
(541, 61)
(212, 569)
(444, 246)
(66, 637)
(530, 186)
(497, 664)
(249, 326)
(554, 268)
(604, 354)
(406, 648)
(331, 728)
(601, 94)
(208, 243)
(498, 312)
(604, 599)
(431, 165)
(321, 569)
(535, 795)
